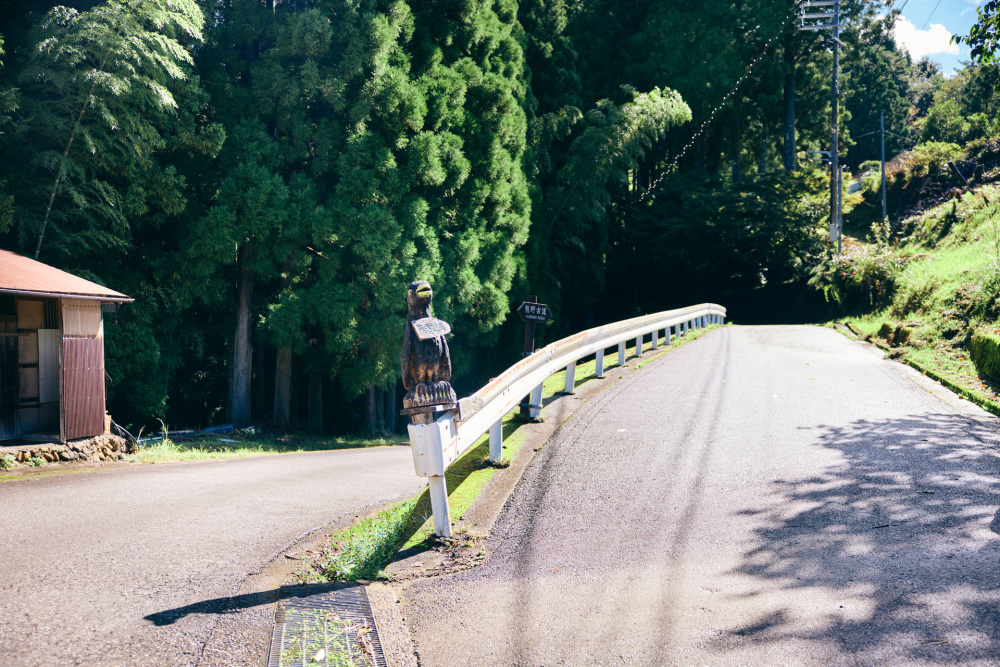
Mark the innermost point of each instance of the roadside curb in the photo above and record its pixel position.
(987, 405)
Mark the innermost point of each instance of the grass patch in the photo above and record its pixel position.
(211, 448)
(323, 638)
(32, 474)
(361, 550)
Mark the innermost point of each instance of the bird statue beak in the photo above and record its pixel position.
(423, 291)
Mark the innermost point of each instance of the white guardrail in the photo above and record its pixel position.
(436, 445)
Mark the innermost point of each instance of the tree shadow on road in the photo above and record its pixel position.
(894, 551)
(235, 603)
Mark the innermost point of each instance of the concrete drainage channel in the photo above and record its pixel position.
(325, 624)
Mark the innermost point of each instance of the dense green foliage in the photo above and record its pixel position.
(266, 177)
(985, 350)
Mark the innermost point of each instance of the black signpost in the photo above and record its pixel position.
(531, 312)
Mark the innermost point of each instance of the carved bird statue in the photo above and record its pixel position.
(426, 363)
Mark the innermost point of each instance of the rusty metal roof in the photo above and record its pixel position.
(20, 275)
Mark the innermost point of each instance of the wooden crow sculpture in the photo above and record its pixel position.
(426, 363)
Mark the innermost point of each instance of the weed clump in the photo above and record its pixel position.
(861, 279)
(6, 461)
(362, 550)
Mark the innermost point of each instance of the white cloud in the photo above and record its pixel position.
(920, 43)
(972, 5)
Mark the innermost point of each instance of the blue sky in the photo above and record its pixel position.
(925, 27)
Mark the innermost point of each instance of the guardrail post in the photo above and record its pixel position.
(428, 442)
(496, 441)
(536, 399)
(656, 337)
(570, 378)
(439, 506)
(621, 353)
(666, 335)
(638, 345)
(599, 363)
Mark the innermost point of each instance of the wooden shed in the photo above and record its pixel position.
(51, 350)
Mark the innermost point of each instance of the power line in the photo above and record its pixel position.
(701, 129)
(932, 14)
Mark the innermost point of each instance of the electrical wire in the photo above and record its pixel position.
(932, 14)
(701, 129)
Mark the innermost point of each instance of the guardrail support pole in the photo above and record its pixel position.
(570, 378)
(439, 506)
(666, 335)
(536, 399)
(599, 362)
(496, 441)
(621, 353)
(656, 337)
(428, 442)
(638, 345)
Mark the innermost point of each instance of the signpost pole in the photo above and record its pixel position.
(529, 349)
(529, 330)
(532, 312)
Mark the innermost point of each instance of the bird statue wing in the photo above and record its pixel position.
(405, 360)
(445, 361)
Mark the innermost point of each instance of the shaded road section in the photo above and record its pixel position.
(131, 566)
(761, 496)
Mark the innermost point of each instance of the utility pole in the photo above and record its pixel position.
(827, 17)
(835, 133)
(881, 131)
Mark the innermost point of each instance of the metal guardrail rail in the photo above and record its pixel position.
(437, 445)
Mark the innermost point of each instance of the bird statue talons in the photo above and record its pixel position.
(429, 393)
(426, 362)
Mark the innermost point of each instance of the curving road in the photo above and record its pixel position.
(132, 566)
(761, 496)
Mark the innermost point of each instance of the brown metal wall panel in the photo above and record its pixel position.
(82, 387)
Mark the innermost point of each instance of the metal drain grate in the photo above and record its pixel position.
(299, 607)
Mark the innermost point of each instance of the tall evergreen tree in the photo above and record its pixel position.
(95, 89)
(469, 63)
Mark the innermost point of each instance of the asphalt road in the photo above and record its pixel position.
(762, 496)
(132, 566)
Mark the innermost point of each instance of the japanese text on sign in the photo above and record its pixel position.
(534, 312)
(430, 327)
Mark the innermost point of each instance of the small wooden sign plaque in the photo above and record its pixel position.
(430, 327)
